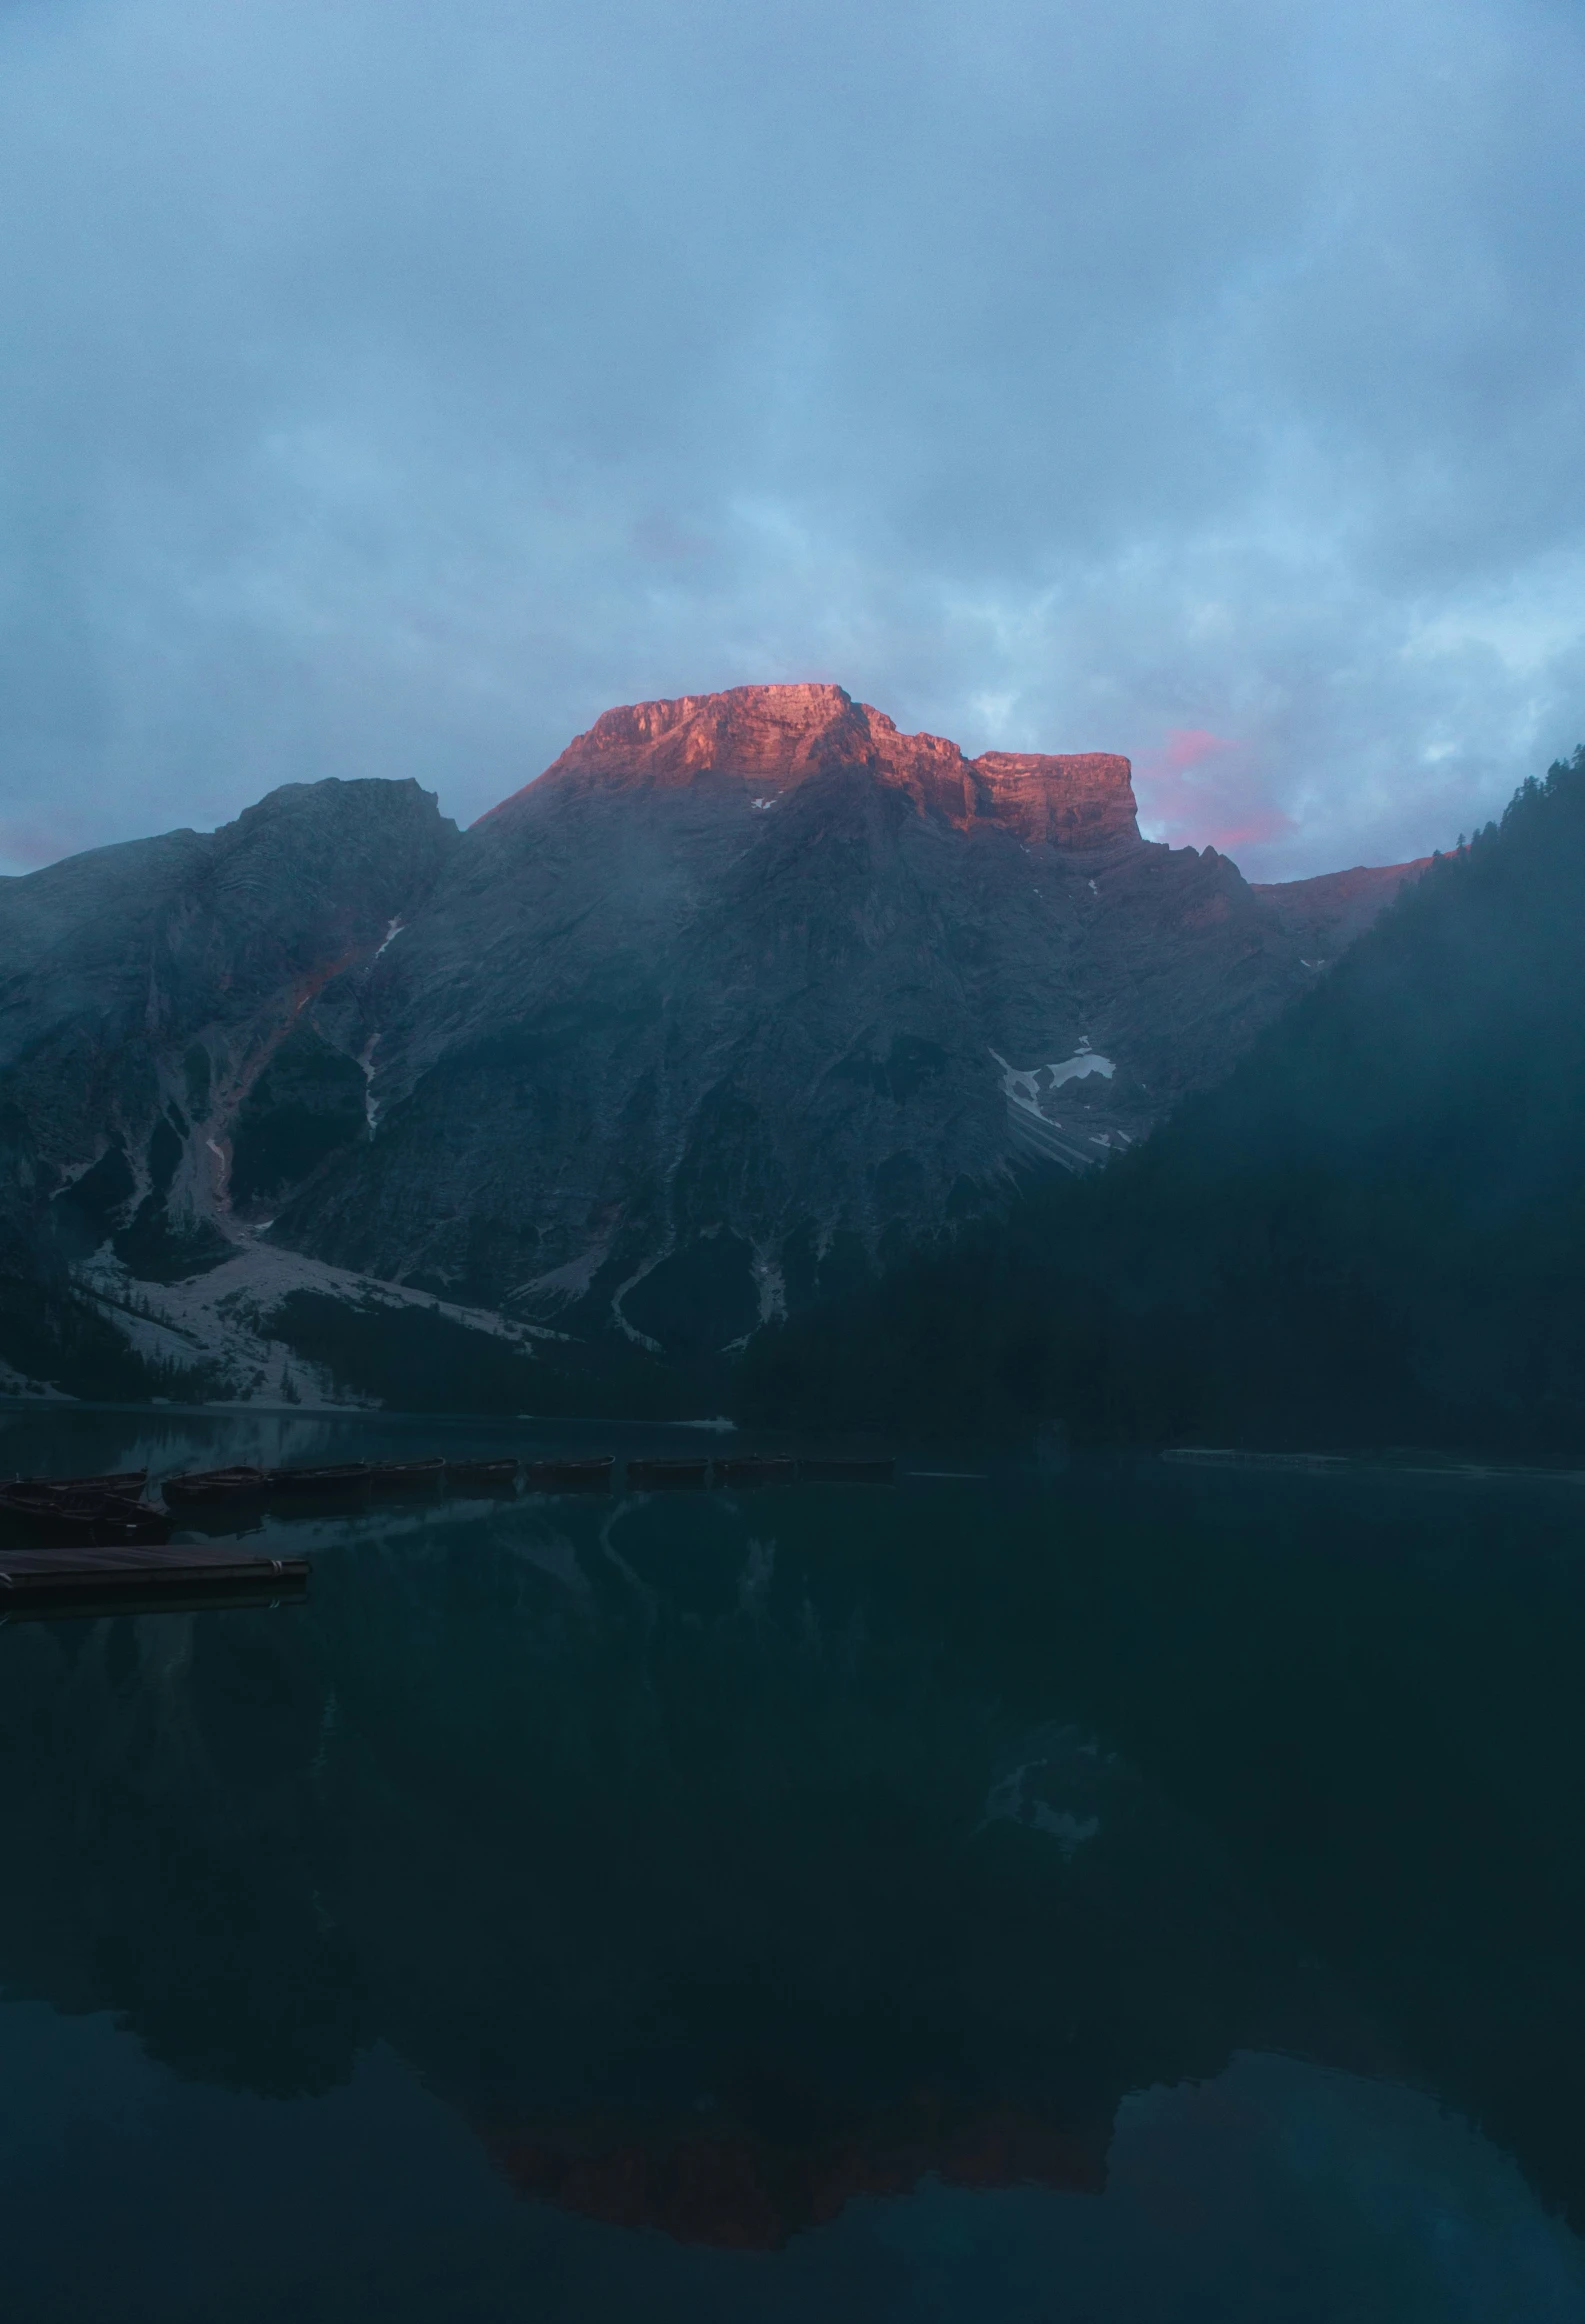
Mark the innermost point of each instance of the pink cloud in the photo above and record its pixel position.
(1205, 790)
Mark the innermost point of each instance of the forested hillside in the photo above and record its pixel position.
(1372, 1232)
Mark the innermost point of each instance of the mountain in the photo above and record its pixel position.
(145, 992)
(746, 992)
(1373, 1232)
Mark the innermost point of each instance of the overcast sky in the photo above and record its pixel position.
(388, 386)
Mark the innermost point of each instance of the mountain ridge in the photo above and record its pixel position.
(743, 992)
(784, 735)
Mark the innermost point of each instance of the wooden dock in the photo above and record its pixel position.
(49, 1583)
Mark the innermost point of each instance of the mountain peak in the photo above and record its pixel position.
(779, 732)
(771, 738)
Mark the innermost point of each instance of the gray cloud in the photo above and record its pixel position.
(388, 386)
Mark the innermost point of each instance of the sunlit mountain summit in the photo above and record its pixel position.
(745, 992)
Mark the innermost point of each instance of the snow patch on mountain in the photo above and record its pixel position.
(1027, 1092)
(222, 1319)
(366, 1065)
(1023, 1088)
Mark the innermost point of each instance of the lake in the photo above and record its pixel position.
(1103, 1892)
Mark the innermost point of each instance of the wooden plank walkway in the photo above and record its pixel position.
(69, 1581)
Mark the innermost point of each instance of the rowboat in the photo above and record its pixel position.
(405, 1476)
(481, 1476)
(756, 1469)
(208, 1488)
(344, 1481)
(127, 1482)
(84, 1519)
(589, 1476)
(649, 1476)
(840, 1472)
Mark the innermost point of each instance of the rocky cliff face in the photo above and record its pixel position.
(145, 989)
(770, 739)
(744, 990)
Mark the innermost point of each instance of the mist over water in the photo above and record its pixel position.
(867, 1902)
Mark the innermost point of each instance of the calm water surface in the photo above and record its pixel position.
(1105, 1895)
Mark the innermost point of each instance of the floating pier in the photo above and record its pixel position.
(86, 1547)
(92, 1581)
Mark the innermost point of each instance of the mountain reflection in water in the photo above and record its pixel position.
(721, 1861)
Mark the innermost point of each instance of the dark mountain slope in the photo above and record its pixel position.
(1374, 1231)
(749, 988)
(144, 991)
(1328, 912)
(747, 992)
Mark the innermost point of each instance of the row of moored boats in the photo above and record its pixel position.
(114, 1508)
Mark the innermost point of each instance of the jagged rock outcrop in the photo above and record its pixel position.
(744, 990)
(145, 988)
(772, 738)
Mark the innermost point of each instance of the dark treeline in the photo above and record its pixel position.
(1373, 1232)
(51, 1334)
